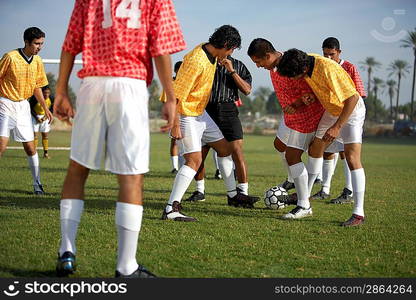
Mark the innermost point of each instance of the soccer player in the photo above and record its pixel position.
(331, 49)
(118, 43)
(299, 123)
(40, 120)
(195, 127)
(22, 75)
(231, 76)
(343, 119)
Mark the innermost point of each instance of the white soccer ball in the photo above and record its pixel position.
(272, 197)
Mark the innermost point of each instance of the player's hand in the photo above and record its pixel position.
(62, 107)
(169, 114)
(289, 109)
(308, 98)
(331, 134)
(48, 116)
(175, 132)
(227, 64)
(39, 120)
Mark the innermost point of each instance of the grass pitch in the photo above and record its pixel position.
(226, 242)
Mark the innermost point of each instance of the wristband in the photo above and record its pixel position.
(232, 73)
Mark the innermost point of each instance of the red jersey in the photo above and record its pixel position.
(355, 76)
(120, 37)
(288, 90)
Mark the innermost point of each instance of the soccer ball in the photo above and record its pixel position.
(271, 197)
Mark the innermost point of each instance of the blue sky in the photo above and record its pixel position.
(365, 28)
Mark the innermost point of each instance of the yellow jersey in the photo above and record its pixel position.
(19, 77)
(331, 84)
(38, 109)
(193, 82)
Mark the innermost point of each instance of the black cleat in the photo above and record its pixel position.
(287, 185)
(38, 189)
(241, 200)
(174, 171)
(176, 215)
(218, 174)
(196, 197)
(344, 198)
(66, 264)
(321, 195)
(141, 272)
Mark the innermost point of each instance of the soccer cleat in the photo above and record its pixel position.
(141, 272)
(176, 215)
(287, 185)
(66, 264)
(218, 174)
(344, 198)
(38, 189)
(317, 181)
(298, 213)
(174, 171)
(196, 196)
(321, 195)
(242, 200)
(355, 220)
(46, 155)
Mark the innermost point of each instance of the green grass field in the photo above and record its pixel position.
(226, 242)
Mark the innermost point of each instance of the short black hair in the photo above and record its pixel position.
(33, 33)
(331, 43)
(293, 63)
(177, 66)
(259, 48)
(227, 37)
(46, 87)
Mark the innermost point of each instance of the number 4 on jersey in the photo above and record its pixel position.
(122, 11)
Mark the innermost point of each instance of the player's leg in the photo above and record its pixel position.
(240, 165)
(3, 144)
(174, 156)
(346, 194)
(199, 193)
(217, 174)
(280, 141)
(327, 172)
(45, 144)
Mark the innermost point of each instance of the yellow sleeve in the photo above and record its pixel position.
(186, 78)
(4, 64)
(41, 80)
(339, 82)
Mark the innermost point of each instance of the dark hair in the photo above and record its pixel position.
(225, 36)
(331, 43)
(46, 87)
(33, 33)
(259, 48)
(293, 63)
(177, 66)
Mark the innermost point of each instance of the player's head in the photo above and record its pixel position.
(225, 39)
(46, 91)
(331, 48)
(263, 54)
(293, 64)
(34, 39)
(177, 66)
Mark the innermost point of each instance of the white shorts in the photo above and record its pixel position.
(112, 123)
(352, 131)
(196, 132)
(335, 147)
(292, 138)
(16, 117)
(41, 127)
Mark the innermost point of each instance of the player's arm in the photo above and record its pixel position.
(163, 65)
(243, 86)
(62, 106)
(39, 97)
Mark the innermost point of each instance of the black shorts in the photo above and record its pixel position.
(225, 115)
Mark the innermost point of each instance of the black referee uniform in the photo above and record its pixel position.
(221, 106)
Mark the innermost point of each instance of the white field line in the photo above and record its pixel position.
(40, 148)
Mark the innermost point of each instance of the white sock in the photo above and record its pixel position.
(182, 181)
(175, 162)
(200, 186)
(34, 168)
(215, 158)
(128, 223)
(70, 215)
(300, 177)
(358, 187)
(327, 172)
(243, 187)
(284, 161)
(314, 167)
(347, 174)
(336, 156)
(225, 165)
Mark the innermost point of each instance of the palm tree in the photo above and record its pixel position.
(391, 87)
(399, 67)
(410, 42)
(378, 84)
(370, 64)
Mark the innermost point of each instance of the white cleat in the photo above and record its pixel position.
(298, 213)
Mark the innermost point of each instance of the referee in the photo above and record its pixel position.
(231, 76)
